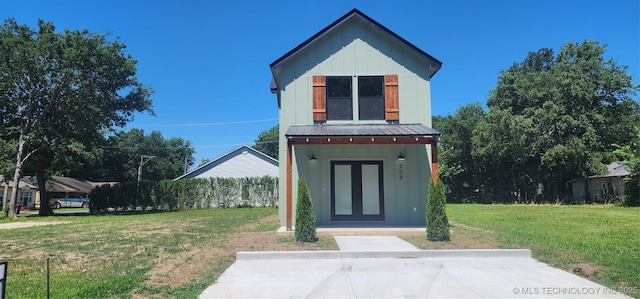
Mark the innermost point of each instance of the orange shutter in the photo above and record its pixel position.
(319, 98)
(391, 109)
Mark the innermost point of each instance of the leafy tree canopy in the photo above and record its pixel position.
(123, 151)
(267, 142)
(551, 118)
(59, 92)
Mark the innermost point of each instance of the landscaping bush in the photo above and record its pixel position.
(437, 221)
(5, 209)
(632, 191)
(305, 218)
(184, 194)
(100, 197)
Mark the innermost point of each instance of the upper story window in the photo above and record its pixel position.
(371, 98)
(339, 98)
(376, 96)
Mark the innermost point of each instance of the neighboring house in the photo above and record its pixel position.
(27, 193)
(355, 123)
(56, 186)
(241, 162)
(593, 188)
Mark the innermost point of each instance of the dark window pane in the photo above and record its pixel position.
(371, 98)
(339, 98)
(370, 86)
(339, 109)
(338, 87)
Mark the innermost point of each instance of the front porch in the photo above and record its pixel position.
(361, 175)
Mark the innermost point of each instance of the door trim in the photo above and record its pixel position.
(356, 183)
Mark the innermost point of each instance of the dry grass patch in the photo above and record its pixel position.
(462, 237)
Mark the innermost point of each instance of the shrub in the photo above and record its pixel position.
(5, 209)
(437, 221)
(305, 218)
(632, 191)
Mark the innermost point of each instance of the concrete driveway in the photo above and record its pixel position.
(388, 267)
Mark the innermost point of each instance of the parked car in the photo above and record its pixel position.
(71, 201)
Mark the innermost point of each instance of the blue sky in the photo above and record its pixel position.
(208, 61)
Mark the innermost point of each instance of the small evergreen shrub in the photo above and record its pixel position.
(437, 221)
(5, 209)
(305, 218)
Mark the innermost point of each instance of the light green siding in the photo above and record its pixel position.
(356, 48)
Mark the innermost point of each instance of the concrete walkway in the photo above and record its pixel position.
(388, 267)
(11, 225)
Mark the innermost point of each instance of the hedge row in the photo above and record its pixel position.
(185, 194)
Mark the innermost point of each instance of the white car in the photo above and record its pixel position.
(71, 201)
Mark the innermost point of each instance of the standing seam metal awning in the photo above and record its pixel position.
(360, 130)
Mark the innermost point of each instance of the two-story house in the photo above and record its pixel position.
(355, 123)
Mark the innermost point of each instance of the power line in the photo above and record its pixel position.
(210, 124)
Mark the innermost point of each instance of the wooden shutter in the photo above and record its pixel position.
(392, 112)
(319, 98)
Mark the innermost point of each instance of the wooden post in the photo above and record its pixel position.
(434, 160)
(289, 204)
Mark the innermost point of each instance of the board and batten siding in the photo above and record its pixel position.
(353, 52)
(358, 50)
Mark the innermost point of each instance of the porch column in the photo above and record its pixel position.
(434, 159)
(289, 182)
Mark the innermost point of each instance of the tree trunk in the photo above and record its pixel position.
(45, 210)
(16, 177)
(5, 194)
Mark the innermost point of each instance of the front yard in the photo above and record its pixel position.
(179, 254)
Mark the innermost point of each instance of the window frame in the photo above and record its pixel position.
(377, 99)
(319, 99)
(28, 195)
(331, 101)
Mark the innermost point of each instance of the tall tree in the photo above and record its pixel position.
(124, 150)
(458, 168)
(59, 89)
(553, 118)
(267, 142)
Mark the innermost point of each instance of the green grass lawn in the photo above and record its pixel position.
(602, 242)
(178, 254)
(162, 255)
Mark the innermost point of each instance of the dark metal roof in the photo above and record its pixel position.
(358, 130)
(356, 12)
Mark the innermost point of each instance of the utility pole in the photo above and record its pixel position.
(187, 160)
(143, 160)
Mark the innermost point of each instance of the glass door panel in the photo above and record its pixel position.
(370, 190)
(343, 191)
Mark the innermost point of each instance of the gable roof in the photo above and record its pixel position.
(241, 162)
(22, 184)
(614, 170)
(355, 13)
(56, 184)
